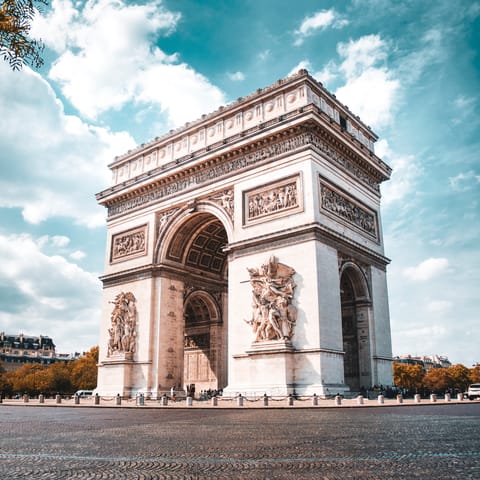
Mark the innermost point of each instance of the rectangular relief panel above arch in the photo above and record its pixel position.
(131, 243)
(273, 200)
(340, 206)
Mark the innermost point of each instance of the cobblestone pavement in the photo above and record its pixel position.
(387, 442)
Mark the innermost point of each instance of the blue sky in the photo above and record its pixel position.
(120, 73)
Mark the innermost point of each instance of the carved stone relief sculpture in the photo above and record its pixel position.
(163, 218)
(123, 331)
(131, 243)
(277, 198)
(273, 315)
(342, 207)
(224, 200)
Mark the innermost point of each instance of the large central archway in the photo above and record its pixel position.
(196, 251)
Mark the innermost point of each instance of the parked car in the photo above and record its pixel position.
(84, 393)
(474, 391)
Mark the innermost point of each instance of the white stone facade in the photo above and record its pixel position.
(286, 176)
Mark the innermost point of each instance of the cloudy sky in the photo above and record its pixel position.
(120, 73)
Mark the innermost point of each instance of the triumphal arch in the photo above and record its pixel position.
(245, 253)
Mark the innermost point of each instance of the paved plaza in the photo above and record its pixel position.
(428, 441)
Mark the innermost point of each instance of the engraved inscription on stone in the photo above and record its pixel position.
(128, 244)
(123, 330)
(273, 315)
(283, 197)
(348, 210)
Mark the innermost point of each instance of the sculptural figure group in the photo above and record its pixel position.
(273, 315)
(123, 330)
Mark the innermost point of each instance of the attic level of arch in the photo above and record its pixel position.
(297, 84)
(164, 183)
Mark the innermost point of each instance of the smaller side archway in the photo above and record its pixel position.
(203, 343)
(356, 313)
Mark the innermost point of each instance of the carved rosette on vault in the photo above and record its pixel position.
(123, 333)
(273, 315)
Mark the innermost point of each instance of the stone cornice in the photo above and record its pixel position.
(148, 271)
(267, 242)
(303, 233)
(310, 131)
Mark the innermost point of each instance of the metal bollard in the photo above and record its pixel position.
(265, 400)
(189, 401)
(41, 398)
(214, 401)
(460, 396)
(433, 398)
(360, 400)
(338, 400)
(165, 400)
(315, 400)
(77, 399)
(26, 398)
(118, 399)
(58, 398)
(417, 398)
(97, 399)
(399, 398)
(240, 400)
(290, 400)
(448, 397)
(141, 399)
(381, 399)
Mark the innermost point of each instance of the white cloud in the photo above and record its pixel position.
(464, 181)
(319, 21)
(302, 65)
(405, 173)
(426, 270)
(236, 77)
(78, 255)
(107, 59)
(183, 93)
(426, 331)
(371, 90)
(60, 241)
(55, 163)
(328, 73)
(430, 49)
(48, 291)
(439, 306)
(263, 55)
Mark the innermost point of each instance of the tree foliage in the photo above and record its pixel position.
(408, 376)
(84, 371)
(454, 378)
(16, 47)
(60, 377)
(475, 374)
(437, 379)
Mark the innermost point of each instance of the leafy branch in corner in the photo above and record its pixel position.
(16, 47)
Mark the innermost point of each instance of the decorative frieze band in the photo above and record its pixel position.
(129, 244)
(280, 198)
(226, 167)
(349, 210)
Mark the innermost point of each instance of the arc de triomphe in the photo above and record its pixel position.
(245, 253)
